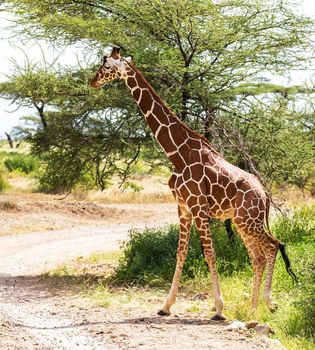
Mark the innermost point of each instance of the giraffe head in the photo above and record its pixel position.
(113, 67)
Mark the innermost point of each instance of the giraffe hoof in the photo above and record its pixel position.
(217, 317)
(163, 313)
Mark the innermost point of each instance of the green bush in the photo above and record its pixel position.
(297, 317)
(3, 182)
(298, 227)
(296, 313)
(301, 322)
(57, 176)
(21, 162)
(149, 257)
(133, 186)
(231, 256)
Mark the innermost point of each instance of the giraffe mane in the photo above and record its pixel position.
(192, 132)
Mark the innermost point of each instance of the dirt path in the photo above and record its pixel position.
(34, 253)
(35, 315)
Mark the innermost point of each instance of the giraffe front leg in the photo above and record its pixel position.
(202, 225)
(185, 223)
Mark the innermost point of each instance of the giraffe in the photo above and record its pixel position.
(204, 185)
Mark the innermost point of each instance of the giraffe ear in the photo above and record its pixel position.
(115, 52)
(128, 59)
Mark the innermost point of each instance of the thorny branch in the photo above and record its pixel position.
(240, 145)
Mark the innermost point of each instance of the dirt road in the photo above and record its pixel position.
(35, 315)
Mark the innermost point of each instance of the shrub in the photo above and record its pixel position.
(132, 186)
(231, 256)
(3, 182)
(21, 162)
(298, 315)
(149, 257)
(301, 321)
(61, 175)
(299, 227)
(8, 205)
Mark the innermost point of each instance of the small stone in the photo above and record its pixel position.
(124, 335)
(264, 329)
(251, 324)
(157, 327)
(236, 325)
(277, 344)
(200, 296)
(246, 295)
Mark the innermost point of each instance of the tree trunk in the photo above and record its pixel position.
(208, 122)
(185, 97)
(9, 140)
(41, 113)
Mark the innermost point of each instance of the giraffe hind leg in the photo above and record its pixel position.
(262, 249)
(270, 247)
(258, 260)
(249, 218)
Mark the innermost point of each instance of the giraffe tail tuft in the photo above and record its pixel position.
(287, 263)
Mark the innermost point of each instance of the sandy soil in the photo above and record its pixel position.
(36, 315)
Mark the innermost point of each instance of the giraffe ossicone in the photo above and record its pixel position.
(119, 63)
(204, 185)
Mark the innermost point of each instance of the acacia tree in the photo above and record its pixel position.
(205, 58)
(74, 132)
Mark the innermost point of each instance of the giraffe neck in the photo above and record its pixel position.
(176, 139)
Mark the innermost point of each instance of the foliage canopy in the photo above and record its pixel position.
(209, 60)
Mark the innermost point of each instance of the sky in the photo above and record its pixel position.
(10, 115)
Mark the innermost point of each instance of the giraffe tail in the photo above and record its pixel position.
(287, 263)
(280, 245)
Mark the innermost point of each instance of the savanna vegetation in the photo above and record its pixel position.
(217, 65)
(146, 265)
(15, 163)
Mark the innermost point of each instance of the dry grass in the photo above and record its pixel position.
(145, 189)
(20, 184)
(115, 196)
(23, 148)
(291, 197)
